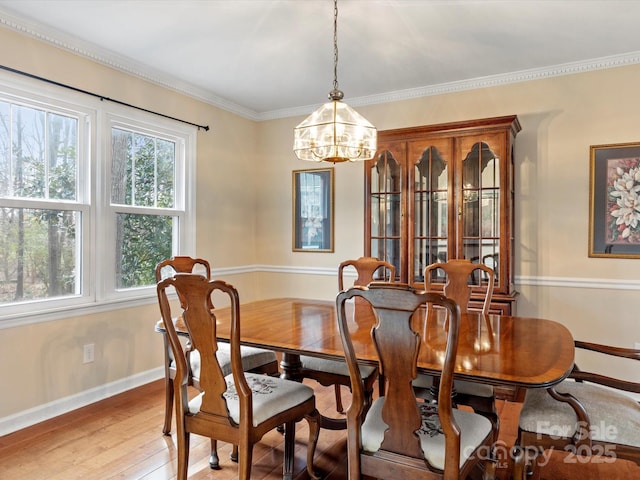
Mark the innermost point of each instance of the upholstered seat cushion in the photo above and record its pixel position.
(615, 417)
(336, 367)
(271, 396)
(474, 429)
(460, 386)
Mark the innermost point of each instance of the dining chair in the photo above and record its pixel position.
(239, 408)
(589, 412)
(334, 372)
(255, 360)
(458, 274)
(399, 436)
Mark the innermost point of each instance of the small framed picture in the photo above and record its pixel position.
(313, 210)
(614, 223)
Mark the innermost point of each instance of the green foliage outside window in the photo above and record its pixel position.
(38, 161)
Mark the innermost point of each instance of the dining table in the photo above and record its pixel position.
(498, 350)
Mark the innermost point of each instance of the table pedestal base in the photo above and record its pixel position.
(291, 367)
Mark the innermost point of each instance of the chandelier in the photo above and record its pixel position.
(335, 132)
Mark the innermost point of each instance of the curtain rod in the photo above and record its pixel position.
(101, 97)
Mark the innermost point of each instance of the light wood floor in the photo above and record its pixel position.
(121, 438)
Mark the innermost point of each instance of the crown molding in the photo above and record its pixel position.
(121, 63)
(602, 63)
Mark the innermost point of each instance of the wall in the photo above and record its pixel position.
(244, 220)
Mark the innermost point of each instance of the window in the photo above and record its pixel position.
(146, 200)
(42, 208)
(84, 223)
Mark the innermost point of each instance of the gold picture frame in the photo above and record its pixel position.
(614, 223)
(313, 210)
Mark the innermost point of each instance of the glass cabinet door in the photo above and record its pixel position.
(385, 204)
(429, 228)
(479, 202)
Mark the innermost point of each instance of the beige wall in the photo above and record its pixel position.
(244, 215)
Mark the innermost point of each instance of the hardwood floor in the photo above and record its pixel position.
(121, 438)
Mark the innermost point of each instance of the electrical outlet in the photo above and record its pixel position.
(88, 353)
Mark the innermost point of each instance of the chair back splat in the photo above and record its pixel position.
(200, 321)
(398, 437)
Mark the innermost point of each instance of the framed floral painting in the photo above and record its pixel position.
(313, 210)
(614, 226)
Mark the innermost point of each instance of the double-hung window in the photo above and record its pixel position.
(92, 196)
(147, 212)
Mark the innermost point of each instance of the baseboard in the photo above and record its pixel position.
(50, 410)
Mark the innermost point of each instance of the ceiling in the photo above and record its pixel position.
(274, 58)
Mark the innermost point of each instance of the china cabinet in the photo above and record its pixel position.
(439, 192)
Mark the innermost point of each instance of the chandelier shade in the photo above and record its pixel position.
(335, 132)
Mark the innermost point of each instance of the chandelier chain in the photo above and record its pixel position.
(335, 44)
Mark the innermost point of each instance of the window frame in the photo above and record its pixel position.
(183, 201)
(97, 270)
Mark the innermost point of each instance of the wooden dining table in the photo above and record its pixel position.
(492, 349)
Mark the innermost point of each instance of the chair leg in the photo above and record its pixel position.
(314, 430)
(244, 463)
(289, 447)
(339, 407)
(214, 462)
(168, 406)
(168, 387)
(234, 454)
(183, 455)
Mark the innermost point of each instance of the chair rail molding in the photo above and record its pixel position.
(577, 282)
(524, 280)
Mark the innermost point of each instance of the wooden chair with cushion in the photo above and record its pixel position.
(255, 360)
(478, 396)
(239, 407)
(400, 437)
(332, 372)
(589, 413)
